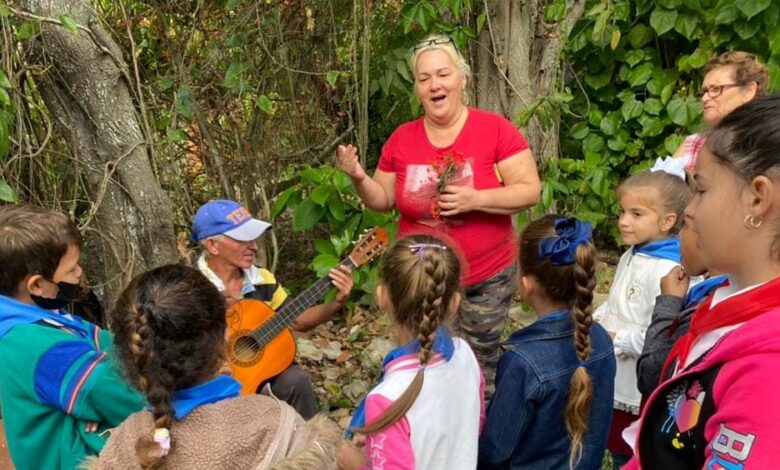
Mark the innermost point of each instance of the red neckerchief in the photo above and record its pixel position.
(732, 311)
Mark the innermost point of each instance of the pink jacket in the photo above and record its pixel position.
(738, 406)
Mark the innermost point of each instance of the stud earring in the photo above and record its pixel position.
(751, 223)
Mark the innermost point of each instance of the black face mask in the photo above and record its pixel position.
(67, 293)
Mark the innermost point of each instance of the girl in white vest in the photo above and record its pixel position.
(651, 208)
(428, 408)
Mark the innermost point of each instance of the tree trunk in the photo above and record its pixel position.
(518, 61)
(86, 86)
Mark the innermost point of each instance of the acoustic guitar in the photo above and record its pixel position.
(260, 343)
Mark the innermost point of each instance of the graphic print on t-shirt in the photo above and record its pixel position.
(421, 189)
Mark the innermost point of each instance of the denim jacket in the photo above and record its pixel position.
(525, 425)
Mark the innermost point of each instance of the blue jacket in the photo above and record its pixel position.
(525, 426)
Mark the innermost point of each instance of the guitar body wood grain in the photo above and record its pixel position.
(252, 365)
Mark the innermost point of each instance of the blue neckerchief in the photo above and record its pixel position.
(702, 289)
(218, 389)
(668, 248)
(14, 313)
(442, 344)
(556, 315)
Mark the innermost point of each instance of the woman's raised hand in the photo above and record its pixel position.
(347, 161)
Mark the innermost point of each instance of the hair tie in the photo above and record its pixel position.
(583, 364)
(163, 438)
(419, 248)
(672, 166)
(561, 248)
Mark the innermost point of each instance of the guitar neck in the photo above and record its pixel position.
(291, 310)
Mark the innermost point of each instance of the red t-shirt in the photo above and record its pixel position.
(486, 241)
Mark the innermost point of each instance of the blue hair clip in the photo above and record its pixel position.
(561, 248)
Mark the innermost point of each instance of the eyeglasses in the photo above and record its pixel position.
(715, 90)
(432, 42)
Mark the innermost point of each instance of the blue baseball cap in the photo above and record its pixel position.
(224, 217)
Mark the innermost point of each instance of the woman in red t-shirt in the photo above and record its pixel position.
(461, 173)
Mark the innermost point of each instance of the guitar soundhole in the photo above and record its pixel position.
(245, 350)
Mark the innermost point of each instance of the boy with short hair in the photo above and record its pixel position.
(58, 388)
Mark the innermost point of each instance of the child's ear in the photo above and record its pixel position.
(763, 192)
(33, 284)
(526, 286)
(382, 298)
(667, 221)
(454, 304)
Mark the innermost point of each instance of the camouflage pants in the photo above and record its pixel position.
(481, 319)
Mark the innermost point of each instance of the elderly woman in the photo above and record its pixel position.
(731, 80)
(458, 172)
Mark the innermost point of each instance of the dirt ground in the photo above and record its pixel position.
(5, 459)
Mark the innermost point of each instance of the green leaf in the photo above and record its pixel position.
(683, 111)
(670, 4)
(593, 143)
(481, 21)
(672, 143)
(4, 10)
(599, 26)
(69, 23)
(325, 247)
(651, 126)
(634, 57)
(234, 77)
(611, 123)
(547, 194)
(554, 12)
(686, 24)
(176, 135)
(641, 74)
(321, 194)
(774, 40)
(27, 30)
(653, 106)
(579, 131)
(165, 82)
(592, 159)
(726, 14)
(5, 98)
(332, 76)
(4, 82)
(5, 137)
(282, 199)
(337, 207)
(751, 8)
(615, 40)
(666, 93)
(747, 29)
(323, 263)
(184, 102)
(640, 35)
(7, 193)
(311, 175)
(663, 20)
(307, 215)
(265, 104)
(631, 109)
(600, 80)
(231, 4)
(618, 143)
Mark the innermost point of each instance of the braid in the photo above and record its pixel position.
(421, 275)
(154, 382)
(581, 386)
(433, 305)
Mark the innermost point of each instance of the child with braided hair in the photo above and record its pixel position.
(427, 410)
(170, 328)
(553, 402)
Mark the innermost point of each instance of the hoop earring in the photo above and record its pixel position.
(750, 222)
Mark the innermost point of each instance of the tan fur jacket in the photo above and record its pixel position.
(250, 432)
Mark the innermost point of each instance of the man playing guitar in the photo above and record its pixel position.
(228, 233)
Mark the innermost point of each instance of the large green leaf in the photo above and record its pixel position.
(683, 111)
(640, 35)
(640, 75)
(5, 137)
(663, 20)
(307, 215)
(611, 123)
(7, 193)
(751, 8)
(686, 24)
(631, 109)
(282, 200)
(321, 194)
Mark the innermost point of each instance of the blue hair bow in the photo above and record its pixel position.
(561, 249)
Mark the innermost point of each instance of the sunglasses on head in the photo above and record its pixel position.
(433, 42)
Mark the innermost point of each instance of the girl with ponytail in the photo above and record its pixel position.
(427, 410)
(170, 326)
(554, 385)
